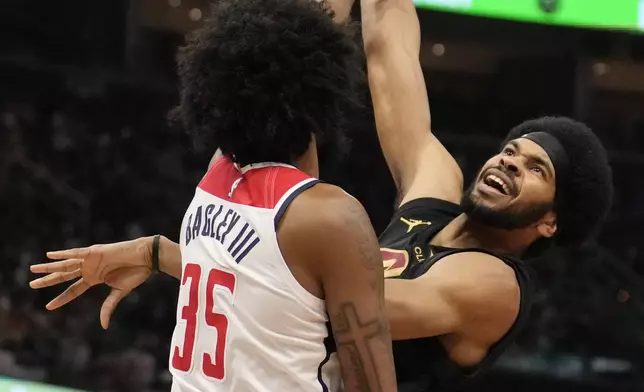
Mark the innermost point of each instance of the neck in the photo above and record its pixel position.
(462, 232)
(308, 162)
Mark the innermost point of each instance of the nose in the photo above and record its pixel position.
(510, 164)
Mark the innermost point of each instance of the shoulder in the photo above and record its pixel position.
(325, 206)
(473, 265)
(325, 214)
(480, 276)
(483, 287)
(326, 230)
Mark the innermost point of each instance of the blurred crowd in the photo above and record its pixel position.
(77, 171)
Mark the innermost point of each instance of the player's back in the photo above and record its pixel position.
(244, 323)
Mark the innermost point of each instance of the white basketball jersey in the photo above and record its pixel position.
(244, 323)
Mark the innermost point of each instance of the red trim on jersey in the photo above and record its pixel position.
(261, 187)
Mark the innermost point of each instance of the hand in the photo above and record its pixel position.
(123, 266)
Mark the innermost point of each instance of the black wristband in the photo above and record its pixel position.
(155, 253)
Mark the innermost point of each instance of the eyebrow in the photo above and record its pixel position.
(538, 159)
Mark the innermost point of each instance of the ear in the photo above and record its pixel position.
(547, 227)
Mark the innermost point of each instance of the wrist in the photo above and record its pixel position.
(145, 247)
(156, 243)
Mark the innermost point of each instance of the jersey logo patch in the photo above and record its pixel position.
(411, 223)
(394, 261)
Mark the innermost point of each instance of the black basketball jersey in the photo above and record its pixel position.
(422, 365)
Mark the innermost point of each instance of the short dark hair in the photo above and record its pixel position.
(262, 76)
(585, 200)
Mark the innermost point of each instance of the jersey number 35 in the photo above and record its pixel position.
(182, 359)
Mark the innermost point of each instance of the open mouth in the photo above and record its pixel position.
(497, 183)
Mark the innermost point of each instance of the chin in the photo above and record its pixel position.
(488, 211)
(500, 215)
(488, 202)
(493, 210)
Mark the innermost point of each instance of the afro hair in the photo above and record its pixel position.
(262, 76)
(585, 200)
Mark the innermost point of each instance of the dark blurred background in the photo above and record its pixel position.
(86, 157)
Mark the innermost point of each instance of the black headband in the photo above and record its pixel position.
(555, 151)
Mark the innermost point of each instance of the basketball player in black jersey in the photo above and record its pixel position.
(457, 291)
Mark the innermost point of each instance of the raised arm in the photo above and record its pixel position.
(331, 234)
(419, 163)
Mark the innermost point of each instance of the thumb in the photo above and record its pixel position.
(109, 305)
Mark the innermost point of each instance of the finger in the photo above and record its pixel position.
(109, 305)
(76, 253)
(54, 279)
(57, 266)
(72, 292)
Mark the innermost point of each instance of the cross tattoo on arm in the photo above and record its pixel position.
(356, 341)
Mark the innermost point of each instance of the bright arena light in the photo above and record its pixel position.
(195, 14)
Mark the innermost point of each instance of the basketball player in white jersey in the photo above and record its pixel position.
(269, 254)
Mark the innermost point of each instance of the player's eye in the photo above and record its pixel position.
(537, 170)
(508, 152)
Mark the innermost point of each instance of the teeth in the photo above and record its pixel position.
(499, 181)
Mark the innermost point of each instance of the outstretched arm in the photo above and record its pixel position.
(419, 163)
(122, 265)
(169, 257)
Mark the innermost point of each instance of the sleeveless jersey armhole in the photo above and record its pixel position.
(525, 305)
(449, 373)
(497, 349)
(288, 197)
(426, 213)
(428, 208)
(303, 295)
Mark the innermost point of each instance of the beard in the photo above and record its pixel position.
(504, 219)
